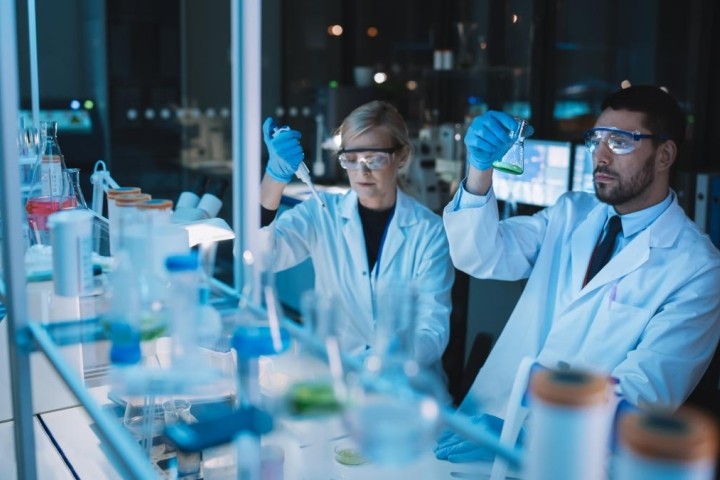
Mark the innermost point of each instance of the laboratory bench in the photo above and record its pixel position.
(308, 446)
(78, 416)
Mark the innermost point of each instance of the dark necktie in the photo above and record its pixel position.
(604, 250)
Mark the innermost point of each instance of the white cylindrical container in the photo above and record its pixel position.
(667, 446)
(112, 194)
(569, 426)
(160, 234)
(71, 239)
(125, 218)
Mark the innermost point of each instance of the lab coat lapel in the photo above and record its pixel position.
(583, 243)
(353, 234)
(628, 259)
(395, 236)
(354, 238)
(660, 234)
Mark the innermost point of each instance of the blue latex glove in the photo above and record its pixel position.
(285, 150)
(456, 449)
(488, 138)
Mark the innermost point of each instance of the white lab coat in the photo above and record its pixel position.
(415, 252)
(650, 317)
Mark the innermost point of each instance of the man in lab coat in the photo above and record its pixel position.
(650, 317)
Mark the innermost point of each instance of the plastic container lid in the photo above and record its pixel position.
(130, 199)
(181, 263)
(251, 341)
(684, 436)
(125, 348)
(114, 192)
(155, 204)
(569, 388)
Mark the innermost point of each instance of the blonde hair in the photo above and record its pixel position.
(377, 114)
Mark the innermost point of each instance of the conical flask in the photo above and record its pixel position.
(49, 190)
(513, 162)
(75, 194)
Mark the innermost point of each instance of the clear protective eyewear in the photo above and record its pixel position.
(373, 158)
(620, 142)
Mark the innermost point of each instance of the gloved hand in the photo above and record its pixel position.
(488, 138)
(456, 449)
(285, 150)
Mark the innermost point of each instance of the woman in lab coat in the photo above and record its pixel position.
(369, 240)
(650, 317)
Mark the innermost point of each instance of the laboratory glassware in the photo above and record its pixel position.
(28, 148)
(178, 411)
(145, 419)
(513, 161)
(74, 188)
(396, 417)
(49, 191)
(316, 388)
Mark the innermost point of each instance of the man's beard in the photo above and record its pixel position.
(625, 190)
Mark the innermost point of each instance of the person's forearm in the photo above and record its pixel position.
(271, 193)
(478, 181)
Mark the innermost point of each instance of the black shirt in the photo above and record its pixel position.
(374, 223)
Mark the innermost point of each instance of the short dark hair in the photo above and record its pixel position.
(663, 115)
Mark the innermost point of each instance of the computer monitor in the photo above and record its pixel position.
(546, 175)
(582, 180)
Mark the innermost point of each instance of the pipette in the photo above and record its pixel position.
(302, 171)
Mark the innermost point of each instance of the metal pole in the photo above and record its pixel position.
(246, 18)
(12, 245)
(34, 82)
(128, 459)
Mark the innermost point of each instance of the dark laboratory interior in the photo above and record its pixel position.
(153, 82)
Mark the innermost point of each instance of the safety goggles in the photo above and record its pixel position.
(373, 158)
(620, 142)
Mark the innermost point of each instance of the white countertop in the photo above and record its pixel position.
(49, 463)
(308, 448)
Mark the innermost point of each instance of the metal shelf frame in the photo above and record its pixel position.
(25, 335)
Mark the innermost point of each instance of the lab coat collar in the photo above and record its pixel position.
(583, 242)
(353, 234)
(404, 216)
(662, 233)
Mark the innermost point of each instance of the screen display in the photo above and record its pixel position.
(545, 178)
(582, 170)
(68, 120)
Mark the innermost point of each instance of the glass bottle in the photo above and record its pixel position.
(29, 149)
(49, 190)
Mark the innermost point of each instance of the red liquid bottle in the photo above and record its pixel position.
(50, 190)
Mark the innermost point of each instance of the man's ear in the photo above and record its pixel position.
(667, 153)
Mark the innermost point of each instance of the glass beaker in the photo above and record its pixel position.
(145, 419)
(74, 190)
(513, 161)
